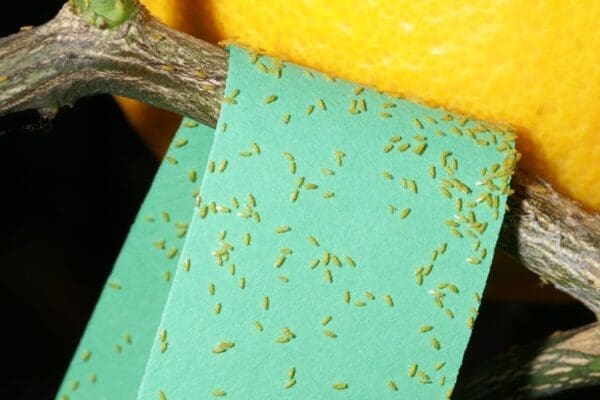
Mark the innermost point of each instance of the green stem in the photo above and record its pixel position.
(104, 13)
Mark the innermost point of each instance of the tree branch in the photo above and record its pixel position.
(67, 58)
(563, 361)
(555, 238)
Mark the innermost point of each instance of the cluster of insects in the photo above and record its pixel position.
(467, 222)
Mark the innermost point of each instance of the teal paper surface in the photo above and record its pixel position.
(340, 247)
(110, 359)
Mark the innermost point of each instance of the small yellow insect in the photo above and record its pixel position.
(181, 142)
(349, 261)
(163, 347)
(432, 171)
(420, 149)
(336, 261)
(412, 185)
(417, 123)
(282, 229)
(270, 99)
(387, 175)
(423, 377)
(404, 213)
(412, 370)
(86, 355)
(294, 195)
(330, 334)
(388, 300)
(229, 100)
(442, 248)
(222, 347)
(279, 262)
(419, 279)
(346, 296)
(403, 147)
(470, 322)
(287, 332)
(289, 383)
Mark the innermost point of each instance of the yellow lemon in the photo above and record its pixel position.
(533, 65)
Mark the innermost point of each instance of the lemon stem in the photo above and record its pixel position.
(104, 14)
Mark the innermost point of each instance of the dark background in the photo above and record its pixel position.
(69, 190)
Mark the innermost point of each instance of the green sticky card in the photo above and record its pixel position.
(340, 247)
(110, 359)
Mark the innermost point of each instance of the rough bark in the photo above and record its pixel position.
(555, 238)
(55, 64)
(564, 361)
(65, 59)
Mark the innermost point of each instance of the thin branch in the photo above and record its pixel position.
(555, 238)
(66, 59)
(563, 361)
